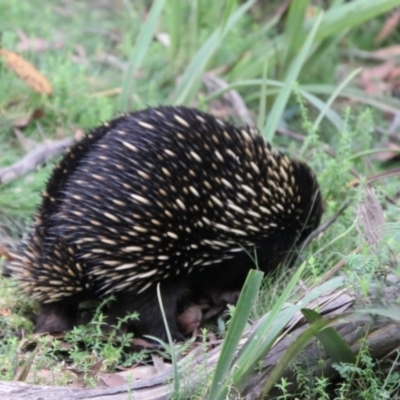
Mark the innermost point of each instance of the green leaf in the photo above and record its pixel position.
(337, 349)
(293, 73)
(293, 25)
(383, 312)
(263, 98)
(269, 327)
(388, 104)
(220, 383)
(335, 21)
(174, 358)
(173, 17)
(334, 96)
(351, 14)
(291, 353)
(138, 53)
(330, 114)
(191, 78)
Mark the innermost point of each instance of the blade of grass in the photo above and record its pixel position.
(352, 14)
(333, 117)
(292, 352)
(262, 339)
(174, 18)
(388, 104)
(293, 25)
(323, 47)
(269, 331)
(193, 29)
(191, 78)
(334, 96)
(263, 98)
(335, 20)
(238, 323)
(293, 73)
(252, 343)
(138, 53)
(336, 348)
(383, 312)
(230, 7)
(174, 358)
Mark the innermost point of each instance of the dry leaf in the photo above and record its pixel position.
(27, 43)
(370, 217)
(388, 52)
(389, 26)
(392, 154)
(139, 373)
(35, 44)
(5, 312)
(22, 122)
(159, 363)
(373, 80)
(113, 380)
(27, 72)
(379, 72)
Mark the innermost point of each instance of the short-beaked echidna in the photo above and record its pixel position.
(169, 195)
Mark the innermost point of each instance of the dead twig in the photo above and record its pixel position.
(34, 158)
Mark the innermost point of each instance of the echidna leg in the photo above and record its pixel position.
(60, 316)
(146, 304)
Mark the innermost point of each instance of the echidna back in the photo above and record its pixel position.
(168, 195)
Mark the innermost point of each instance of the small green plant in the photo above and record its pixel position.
(366, 380)
(283, 387)
(90, 344)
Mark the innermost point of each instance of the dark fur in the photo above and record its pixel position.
(65, 245)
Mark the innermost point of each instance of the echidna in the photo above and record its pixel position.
(167, 195)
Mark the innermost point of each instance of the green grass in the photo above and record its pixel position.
(104, 60)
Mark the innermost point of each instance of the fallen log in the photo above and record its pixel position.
(381, 335)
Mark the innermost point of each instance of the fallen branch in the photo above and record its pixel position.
(34, 158)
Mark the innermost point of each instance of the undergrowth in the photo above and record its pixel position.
(85, 51)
